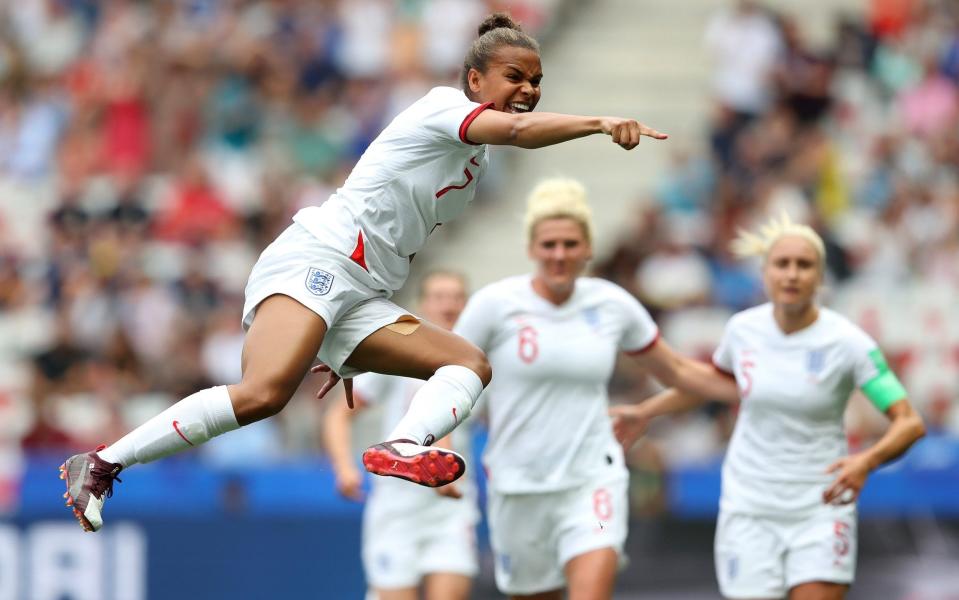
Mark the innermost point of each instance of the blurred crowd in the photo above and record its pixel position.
(860, 139)
(149, 150)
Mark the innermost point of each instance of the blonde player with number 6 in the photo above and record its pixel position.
(787, 514)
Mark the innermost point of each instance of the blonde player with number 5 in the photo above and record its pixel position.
(787, 516)
(557, 501)
(321, 290)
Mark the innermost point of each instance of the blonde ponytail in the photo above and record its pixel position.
(748, 244)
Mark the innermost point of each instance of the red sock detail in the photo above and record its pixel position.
(176, 426)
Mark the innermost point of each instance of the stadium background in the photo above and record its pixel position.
(149, 150)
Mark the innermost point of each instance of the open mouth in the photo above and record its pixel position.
(518, 107)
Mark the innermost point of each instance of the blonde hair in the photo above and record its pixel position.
(558, 198)
(748, 244)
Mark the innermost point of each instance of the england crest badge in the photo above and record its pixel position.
(319, 281)
(815, 363)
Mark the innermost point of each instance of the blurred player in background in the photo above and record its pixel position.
(557, 479)
(321, 289)
(412, 536)
(787, 517)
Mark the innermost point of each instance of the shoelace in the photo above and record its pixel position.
(103, 478)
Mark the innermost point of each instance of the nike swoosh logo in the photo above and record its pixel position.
(180, 433)
(454, 415)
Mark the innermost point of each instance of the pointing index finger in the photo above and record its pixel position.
(650, 132)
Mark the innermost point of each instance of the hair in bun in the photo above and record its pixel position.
(497, 21)
(496, 30)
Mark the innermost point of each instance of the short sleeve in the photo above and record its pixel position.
(478, 319)
(640, 332)
(871, 372)
(723, 355)
(448, 114)
(372, 388)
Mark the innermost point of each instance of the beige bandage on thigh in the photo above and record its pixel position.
(405, 326)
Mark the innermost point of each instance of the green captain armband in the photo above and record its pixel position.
(884, 389)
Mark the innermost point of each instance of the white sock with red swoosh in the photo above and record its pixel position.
(188, 423)
(444, 401)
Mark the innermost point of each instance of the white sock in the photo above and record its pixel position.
(190, 422)
(444, 401)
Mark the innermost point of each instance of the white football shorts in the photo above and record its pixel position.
(535, 535)
(763, 557)
(300, 266)
(399, 549)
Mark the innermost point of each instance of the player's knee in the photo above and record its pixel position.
(260, 400)
(479, 364)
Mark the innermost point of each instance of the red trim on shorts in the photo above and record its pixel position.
(723, 371)
(469, 121)
(359, 256)
(645, 348)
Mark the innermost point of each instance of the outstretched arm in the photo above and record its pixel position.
(338, 439)
(692, 376)
(905, 429)
(693, 384)
(536, 130)
(630, 421)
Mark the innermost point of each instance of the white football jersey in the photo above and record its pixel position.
(420, 172)
(794, 389)
(547, 403)
(390, 494)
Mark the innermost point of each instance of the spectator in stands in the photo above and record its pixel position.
(744, 45)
